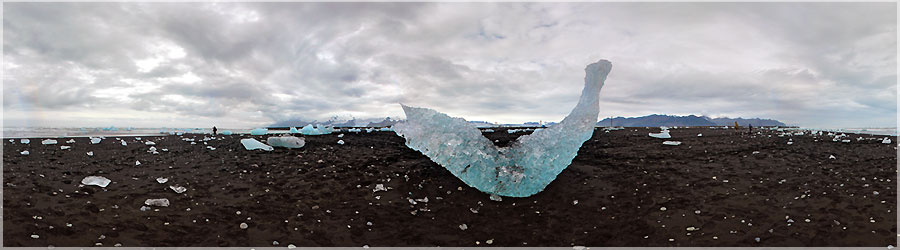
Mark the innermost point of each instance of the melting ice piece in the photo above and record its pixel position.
(95, 140)
(259, 131)
(178, 189)
(226, 132)
(48, 141)
(149, 143)
(95, 180)
(26, 141)
(252, 144)
(294, 131)
(520, 170)
(71, 141)
(340, 142)
(64, 147)
(886, 140)
(162, 180)
(673, 143)
(137, 163)
(157, 202)
(90, 153)
(662, 135)
(699, 135)
(25, 152)
(286, 142)
(124, 143)
(354, 130)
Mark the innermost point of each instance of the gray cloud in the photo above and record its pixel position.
(251, 64)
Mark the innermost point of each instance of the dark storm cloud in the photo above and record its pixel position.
(251, 64)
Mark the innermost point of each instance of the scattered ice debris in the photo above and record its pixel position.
(178, 189)
(149, 143)
(463, 227)
(95, 140)
(137, 163)
(832, 157)
(379, 187)
(90, 153)
(26, 141)
(253, 144)
(662, 135)
(259, 131)
(48, 141)
(95, 180)
(244, 225)
(162, 180)
(885, 140)
(341, 142)
(286, 141)
(64, 147)
(461, 148)
(71, 141)
(157, 202)
(124, 143)
(673, 143)
(25, 152)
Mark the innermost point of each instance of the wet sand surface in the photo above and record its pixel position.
(624, 188)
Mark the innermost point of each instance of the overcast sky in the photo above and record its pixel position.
(241, 65)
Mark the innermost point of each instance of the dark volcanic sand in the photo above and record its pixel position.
(321, 195)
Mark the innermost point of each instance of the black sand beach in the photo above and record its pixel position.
(726, 188)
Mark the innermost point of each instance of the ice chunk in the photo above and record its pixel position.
(520, 170)
(157, 202)
(149, 143)
(662, 135)
(886, 140)
(48, 142)
(178, 189)
(369, 130)
(95, 180)
(673, 143)
(137, 163)
(341, 142)
(259, 131)
(488, 131)
(26, 141)
(386, 129)
(25, 152)
(294, 131)
(90, 153)
(137, 138)
(226, 132)
(831, 157)
(379, 187)
(341, 136)
(286, 141)
(317, 130)
(354, 130)
(124, 143)
(64, 147)
(71, 141)
(252, 144)
(162, 180)
(699, 135)
(95, 140)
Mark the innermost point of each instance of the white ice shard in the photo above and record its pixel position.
(178, 189)
(71, 141)
(24, 152)
(520, 170)
(65, 147)
(95, 140)
(672, 143)
(25, 141)
(259, 131)
(149, 143)
(286, 141)
(90, 153)
(124, 143)
(157, 202)
(162, 180)
(96, 181)
(662, 135)
(252, 144)
(886, 140)
(48, 141)
(340, 142)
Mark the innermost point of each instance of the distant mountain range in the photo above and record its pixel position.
(690, 120)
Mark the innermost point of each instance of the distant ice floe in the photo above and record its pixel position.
(226, 132)
(259, 131)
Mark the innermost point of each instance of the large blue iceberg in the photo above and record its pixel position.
(524, 168)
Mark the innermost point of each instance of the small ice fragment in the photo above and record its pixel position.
(162, 180)
(25, 152)
(157, 202)
(149, 143)
(35, 236)
(124, 143)
(71, 141)
(672, 143)
(26, 141)
(341, 136)
(662, 209)
(286, 141)
(662, 135)
(178, 189)
(48, 141)
(885, 141)
(137, 163)
(756, 239)
(832, 157)
(379, 187)
(341, 142)
(90, 153)
(244, 225)
(845, 141)
(253, 144)
(691, 229)
(64, 147)
(137, 138)
(259, 131)
(145, 208)
(575, 202)
(495, 197)
(490, 241)
(790, 142)
(463, 227)
(95, 180)
(95, 140)
(699, 135)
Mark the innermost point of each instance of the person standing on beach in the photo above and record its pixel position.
(750, 128)
(214, 130)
